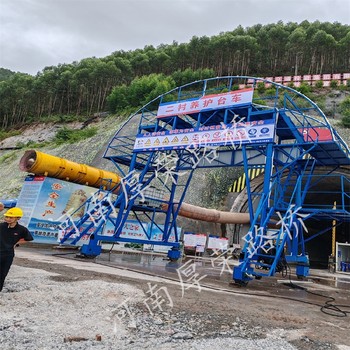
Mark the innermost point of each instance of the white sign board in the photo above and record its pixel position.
(206, 103)
(208, 136)
(194, 240)
(218, 243)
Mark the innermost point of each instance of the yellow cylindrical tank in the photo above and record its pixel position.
(40, 163)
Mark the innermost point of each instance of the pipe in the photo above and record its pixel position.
(40, 163)
(211, 215)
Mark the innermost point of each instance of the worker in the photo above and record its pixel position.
(2, 207)
(10, 234)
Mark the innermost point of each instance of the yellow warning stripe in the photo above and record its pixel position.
(239, 184)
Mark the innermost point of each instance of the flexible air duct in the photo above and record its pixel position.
(44, 164)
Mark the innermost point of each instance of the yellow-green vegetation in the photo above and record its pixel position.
(5, 134)
(345, 110)
(66, 135)
(31, 144)
(7, 157)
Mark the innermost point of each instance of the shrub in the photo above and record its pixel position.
(261, 87)
(334, 84)
(5, 134)
(319, 84)
(344, 109)
(304, 88)
(346, 121)
(271, 91)
(66, 135)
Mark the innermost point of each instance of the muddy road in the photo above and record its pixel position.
(147, 301)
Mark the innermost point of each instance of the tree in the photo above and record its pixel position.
(344, 109)
(82, 88)
(296, 46)
(140, 92)
(323, 46)
(5, 74)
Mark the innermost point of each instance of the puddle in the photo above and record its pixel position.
(333, 281)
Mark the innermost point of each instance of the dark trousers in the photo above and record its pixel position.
(5, 264)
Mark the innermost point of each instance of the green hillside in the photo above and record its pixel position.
(131, 78)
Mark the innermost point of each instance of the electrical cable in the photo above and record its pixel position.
(327, 308)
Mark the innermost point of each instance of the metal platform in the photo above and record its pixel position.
(223, 122)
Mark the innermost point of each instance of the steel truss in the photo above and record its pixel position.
(303, 143)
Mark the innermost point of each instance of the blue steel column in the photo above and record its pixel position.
(244, 272)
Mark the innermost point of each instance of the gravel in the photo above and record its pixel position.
(40, 310)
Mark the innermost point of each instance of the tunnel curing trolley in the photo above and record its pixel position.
(222, 122)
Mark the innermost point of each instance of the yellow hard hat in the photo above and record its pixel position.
(14, 212)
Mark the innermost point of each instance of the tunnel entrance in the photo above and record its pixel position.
(320, 247)
(326, 192)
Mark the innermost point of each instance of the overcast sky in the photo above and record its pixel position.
(39, 33)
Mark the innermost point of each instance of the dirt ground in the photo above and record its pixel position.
(207, 305)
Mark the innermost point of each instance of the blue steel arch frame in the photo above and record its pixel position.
(303, 141)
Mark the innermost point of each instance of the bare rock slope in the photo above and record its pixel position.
(89, 151)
